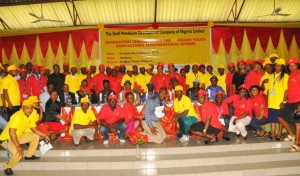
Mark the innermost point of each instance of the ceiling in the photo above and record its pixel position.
(14, 13)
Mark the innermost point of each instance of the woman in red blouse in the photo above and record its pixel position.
(242, 112)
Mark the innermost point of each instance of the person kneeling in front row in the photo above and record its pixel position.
(15, 134)
(84, 123)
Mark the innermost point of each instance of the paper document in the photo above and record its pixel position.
(158, 111)
(45, 147)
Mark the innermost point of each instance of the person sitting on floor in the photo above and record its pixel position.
(112, 119)
(151, 125)
(210, 126)
(184, 114)
(15, 134)
(84, 123)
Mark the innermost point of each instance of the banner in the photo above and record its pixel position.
(168, 45)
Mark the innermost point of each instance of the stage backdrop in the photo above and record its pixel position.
(168, 45)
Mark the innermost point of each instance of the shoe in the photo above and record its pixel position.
(238, 135)
(226, 138)
(184, 138)
(32, 158)
(245, 138)
(211, 142)
(289, 138)
(262, 136)
(8, 171)
(105, 142)
(122, 140)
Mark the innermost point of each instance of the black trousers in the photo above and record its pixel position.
(10, 112)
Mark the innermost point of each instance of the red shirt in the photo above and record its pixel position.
(115, 84)
(293, 93)
(223, 109)
(181, 80)
(44, 80)
(160, 81)
(90, 82)
(34, 85)
(24, 92)
(257, 102)
(98, 81)
(130, 111)
(253, 78)
(240, 106)
(111, 116)
(209, 109)
(228, 81)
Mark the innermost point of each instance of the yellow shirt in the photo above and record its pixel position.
(74, 82)
(184, 104)
(82, 118)
(13, 91)
(266, 76)
(82, 77)
(221, 81)
(190, 78)
(34, 116)
(131, 79)
(18, 121)
(148, 78)
(276, 89)
(1, 90)
(141, 81)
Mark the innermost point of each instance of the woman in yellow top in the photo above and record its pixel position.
(268, 67)
(276, 88)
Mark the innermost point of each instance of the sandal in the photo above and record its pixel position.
(211, 142)
(289, 138)
(294, 148)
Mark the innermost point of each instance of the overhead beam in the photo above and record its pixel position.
(5, 26)
(74, 14)
(235, 11)
(30, 2)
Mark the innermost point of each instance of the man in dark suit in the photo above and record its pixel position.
(67, 98)
(57, 79)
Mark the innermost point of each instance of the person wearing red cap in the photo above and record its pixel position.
(160, 79)
(93, 69)
(253, 77)
(44, 77)
(34, 82)
(249, 64)
(73, 80)
(149, 73)
(260, 109)
(99, 78)
(24, 91)
(122, 70)
(242, 112)
(191, 76)
(229, 78)
(290, 106)
(66, 68)
(89, 79)
(112, 119)
(209, 126)
(135, 70)
(239, 76)
(173, 74)
(108, 70)
(115, 81)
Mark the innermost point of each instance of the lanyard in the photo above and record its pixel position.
(219, 109)
(275, 80)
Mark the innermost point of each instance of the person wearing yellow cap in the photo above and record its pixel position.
(73, 80)
(149, 73)
(141, 79)
(184, 115)
(128, 76)
(11, 92)
(276, 88)
(273, 57)
(222, 77)
(84, 123)
(268, 68)
(15, 134)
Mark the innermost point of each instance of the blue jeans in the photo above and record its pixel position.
(185, 122)
(121, 127)
(3, 122)
(255, 123)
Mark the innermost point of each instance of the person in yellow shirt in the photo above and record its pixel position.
(268, 67)
(202, 75)
(208, 75)
(73, 80)
(1, 90)
(128, 76)
(82, 74)
(15, 134)
(276, 90)
(149, 74)
(191, 76)
(11, 91)
(84, 123)
(184, 114)
(222, 77)
(141, 79)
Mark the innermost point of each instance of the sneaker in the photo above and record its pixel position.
(105, 142)
(8, 171)
(184, 138)
(122, 140)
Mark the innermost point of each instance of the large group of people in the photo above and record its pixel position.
(252, 94)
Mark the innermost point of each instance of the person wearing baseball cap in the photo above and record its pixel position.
(209, 126)
(84, 123)
(239, 76)
(229, 78)
(254, 76)
(273, 57)
(128, 76)
(66, 68)
(149, 73)
(11, 91)
(150, 92)
(184, 115)
(223, 114)
(43, 76)
(34, 83)
(122, 70)
(115, 81)
(160, 79)
(112, 119)
(268, 68)
(93, 69)
(191, 92)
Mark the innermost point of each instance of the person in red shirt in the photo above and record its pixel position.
(89, 79)
(132, 121)
(34, 83)
(210, 126)
(173, 74)
(66, 69)
(253, 77)
(290, 106)
(260, 108)
(108, 70)
(99, 78)
(160, 79)
(122, 70)
(44, 77)
(242, 112)
(112, 119)
(229, 77)
(24, 92)
(115, 81)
